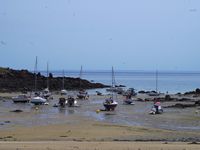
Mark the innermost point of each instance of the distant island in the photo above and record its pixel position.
(23, 80)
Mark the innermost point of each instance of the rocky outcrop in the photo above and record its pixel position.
(180, 105)
(23, 80)
(195, 92)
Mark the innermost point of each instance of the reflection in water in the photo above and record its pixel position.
(62, 110)
(71, 111)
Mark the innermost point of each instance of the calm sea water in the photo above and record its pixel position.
(172, 82)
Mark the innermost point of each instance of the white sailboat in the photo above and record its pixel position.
(63, 91)
(46, 92)
(115, 88)
(110, 104)
(37, 100)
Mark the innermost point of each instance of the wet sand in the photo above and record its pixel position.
(89, 130)
(63, 145)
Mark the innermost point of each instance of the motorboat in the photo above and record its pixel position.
(22, 98)
(110, 104)
(37, 100)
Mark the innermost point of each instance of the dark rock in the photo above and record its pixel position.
(197, 91)
(197, 103)
(179, 105)
(17, 111)
(6, 121)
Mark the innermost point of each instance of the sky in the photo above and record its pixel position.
(98, 34)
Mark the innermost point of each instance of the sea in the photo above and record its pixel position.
(167, 81)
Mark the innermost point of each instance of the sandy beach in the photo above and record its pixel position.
(69, 145)
(129, 127)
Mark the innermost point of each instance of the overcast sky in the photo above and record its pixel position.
(128, 34)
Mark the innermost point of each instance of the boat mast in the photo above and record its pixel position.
(63, 81)
(156, 81)
(80, 76)
(113, 80)
(47, 75)
(35, 73)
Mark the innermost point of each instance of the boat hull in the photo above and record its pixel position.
(110, 107)
(129, 102)
(21, 99)
(38, 101)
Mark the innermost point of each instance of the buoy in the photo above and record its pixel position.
(97, 111)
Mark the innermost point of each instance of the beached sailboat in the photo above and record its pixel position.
(115, 88)
(82, 94)
(46, 92)
(37, 99)
(63, 91)
(110, 104)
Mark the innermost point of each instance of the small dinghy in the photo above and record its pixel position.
(128, 100)
(156, 109)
